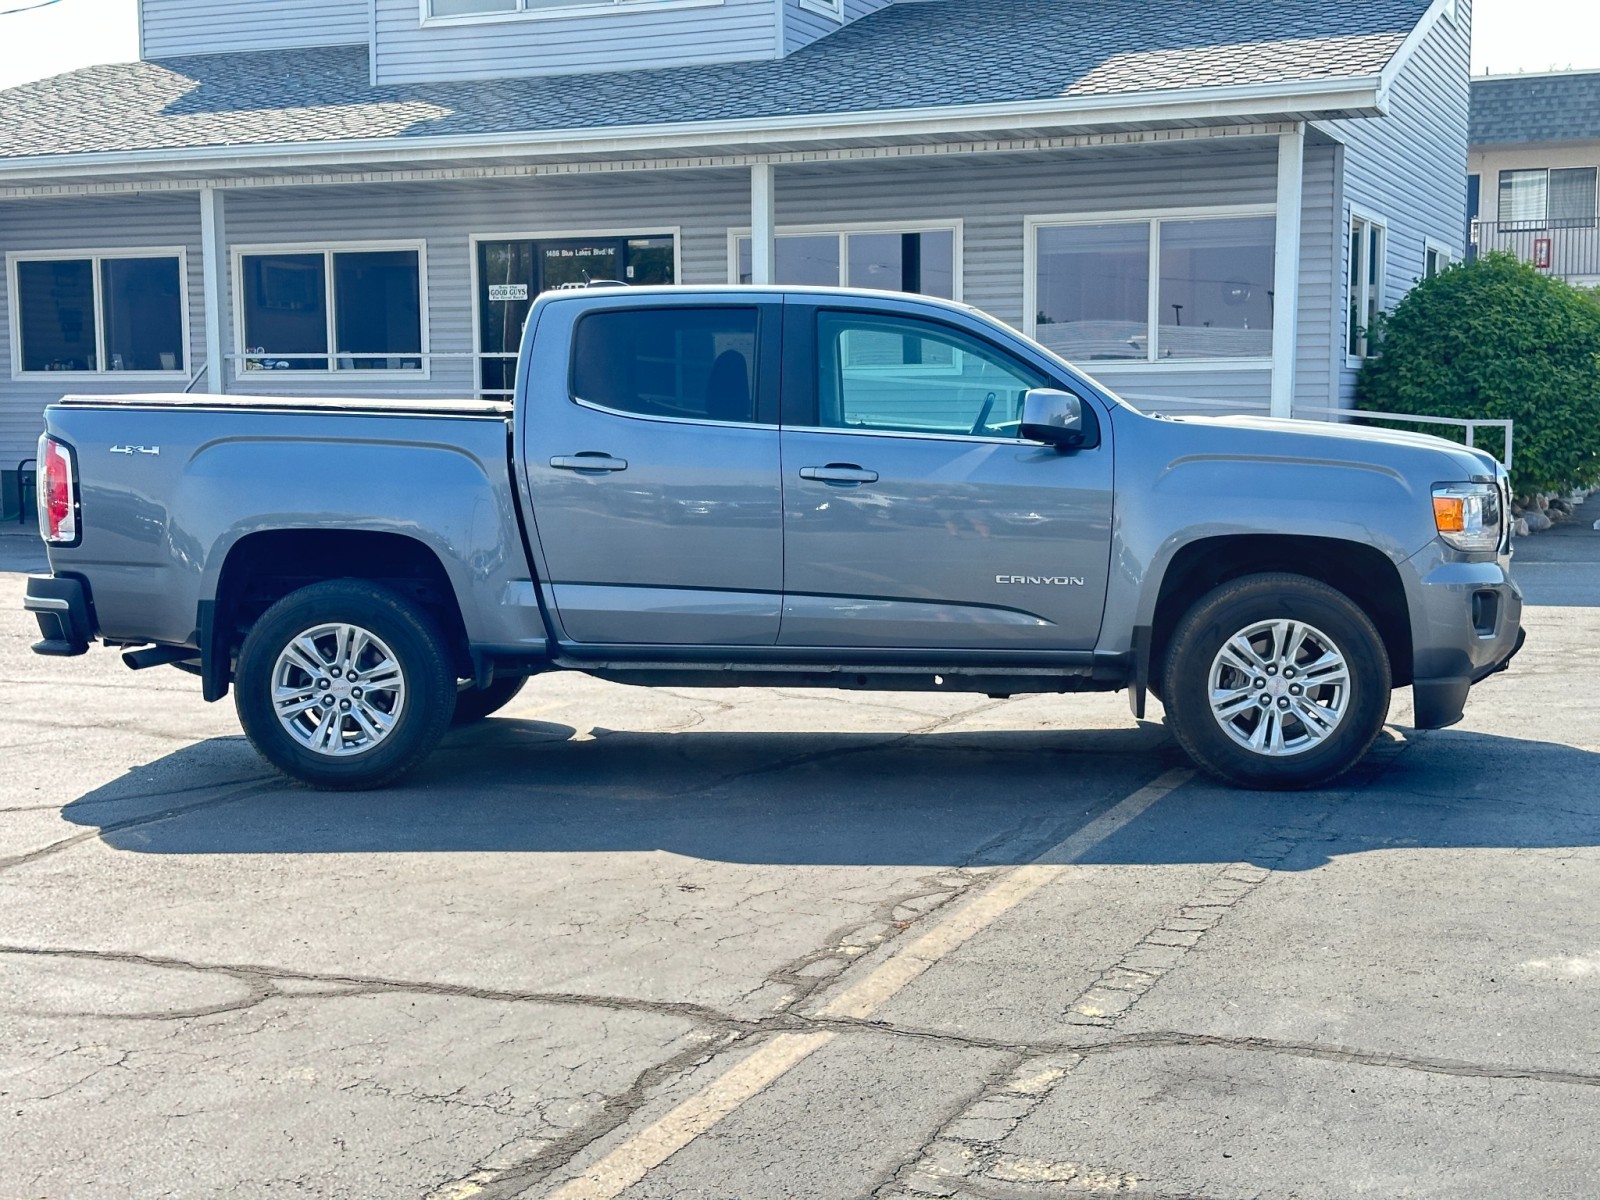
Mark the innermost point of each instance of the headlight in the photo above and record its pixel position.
(1468, 515)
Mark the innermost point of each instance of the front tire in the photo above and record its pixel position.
(344, 685)
(1276, 682)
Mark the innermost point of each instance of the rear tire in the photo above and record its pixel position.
(475, 704)
(1276, 682)
(344, 685)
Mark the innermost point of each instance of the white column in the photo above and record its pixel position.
(1286, 272)
(213, 257)
(763, 224)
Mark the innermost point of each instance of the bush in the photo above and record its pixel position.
(1495, 338)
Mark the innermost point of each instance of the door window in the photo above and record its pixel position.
(695, 364)
(904, 375)
(512, 273)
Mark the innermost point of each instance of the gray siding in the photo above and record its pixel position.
(125, 223)
(1319, 353)
(989, 195)
(409, 52)
(801, 26)
(1410, 167)
(175, 27)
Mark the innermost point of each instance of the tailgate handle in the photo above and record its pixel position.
(588, 460)
(839, 473)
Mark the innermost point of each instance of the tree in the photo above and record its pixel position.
(1496, 338)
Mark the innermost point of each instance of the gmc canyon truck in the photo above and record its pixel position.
(719, 487)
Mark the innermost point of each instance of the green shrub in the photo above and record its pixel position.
(1495, 338)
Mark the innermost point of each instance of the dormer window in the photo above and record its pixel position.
(451, 11)
(828, 8)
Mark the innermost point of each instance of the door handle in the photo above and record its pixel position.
(589, 460)
(839, 473)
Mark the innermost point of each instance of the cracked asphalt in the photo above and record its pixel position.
(760, 944)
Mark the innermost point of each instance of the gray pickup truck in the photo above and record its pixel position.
(750, 487)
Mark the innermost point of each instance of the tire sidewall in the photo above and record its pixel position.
(416, 645)
(1231, 609)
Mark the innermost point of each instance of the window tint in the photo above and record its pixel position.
(56, 303)
(895, 373)
(688, 363)
(285, 311)
(143, 314)
(377, 307)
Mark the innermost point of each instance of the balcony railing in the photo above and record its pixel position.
(1568, 249)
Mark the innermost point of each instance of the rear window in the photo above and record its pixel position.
(694, 364)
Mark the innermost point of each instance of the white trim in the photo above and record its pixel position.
(1354, 213)
(327, 250)
(1286, 269)
(95, 256)
(213, 251)
(1178, 366)
(1153, 216)
(1210, 105)
(578, 8)
(473, 240)
(1434, 246)
(955, 226)
(823, 8)
(763, 224)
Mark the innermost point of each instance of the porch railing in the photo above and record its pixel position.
(1568, 249)
(1178, 406)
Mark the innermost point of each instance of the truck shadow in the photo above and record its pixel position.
(958, 799)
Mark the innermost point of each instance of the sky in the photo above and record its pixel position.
(39, 38)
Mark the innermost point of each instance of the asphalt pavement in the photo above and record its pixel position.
(769, 944)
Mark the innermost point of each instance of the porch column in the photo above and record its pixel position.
(1286, 271)
(213, 272)
(763, 223)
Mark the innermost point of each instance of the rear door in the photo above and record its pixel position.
(650, 444)
(914, 515)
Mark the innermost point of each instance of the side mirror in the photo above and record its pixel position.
(1052, 416)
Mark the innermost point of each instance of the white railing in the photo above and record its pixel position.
(1176, 405)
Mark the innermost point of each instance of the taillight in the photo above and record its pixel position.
(58, 493)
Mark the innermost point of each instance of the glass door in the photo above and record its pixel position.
(512, 273)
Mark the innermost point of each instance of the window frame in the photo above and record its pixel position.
(954, 226)
(95, 256)
(1152, 217)
(827, 8)
(1543, 223)
(1447, 258)
(1373, 221)
(328, 250)
(576, 8)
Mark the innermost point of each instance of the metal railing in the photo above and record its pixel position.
(1568, 249)
(1178, 405)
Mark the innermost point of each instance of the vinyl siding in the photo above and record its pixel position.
(176, 27)
(1410, 167)
(127, 223)
(989, 195)
(409, 52)
(802, 26)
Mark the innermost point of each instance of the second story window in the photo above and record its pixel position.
(445, 9)
(1554, 198)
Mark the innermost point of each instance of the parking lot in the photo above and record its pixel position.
(770, 944)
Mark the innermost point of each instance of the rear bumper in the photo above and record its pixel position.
(60, 603)
(1466, 626)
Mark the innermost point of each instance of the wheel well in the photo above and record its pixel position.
(262, 568)
(1362, 573)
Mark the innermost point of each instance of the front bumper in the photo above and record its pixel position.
(60, 603)
(1466, 624)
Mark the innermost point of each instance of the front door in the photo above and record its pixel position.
(651, 448)
(512, 273)
(914, 515)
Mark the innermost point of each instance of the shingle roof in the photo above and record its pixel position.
(1561, 107)
(941, 53)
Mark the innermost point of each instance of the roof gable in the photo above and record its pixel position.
(936, 54)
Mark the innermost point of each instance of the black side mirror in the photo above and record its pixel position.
(1053, 417)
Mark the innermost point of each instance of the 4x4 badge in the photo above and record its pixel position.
(136, 449)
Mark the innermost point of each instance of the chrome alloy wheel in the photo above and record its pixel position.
(1279, 688)
(338, 689)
